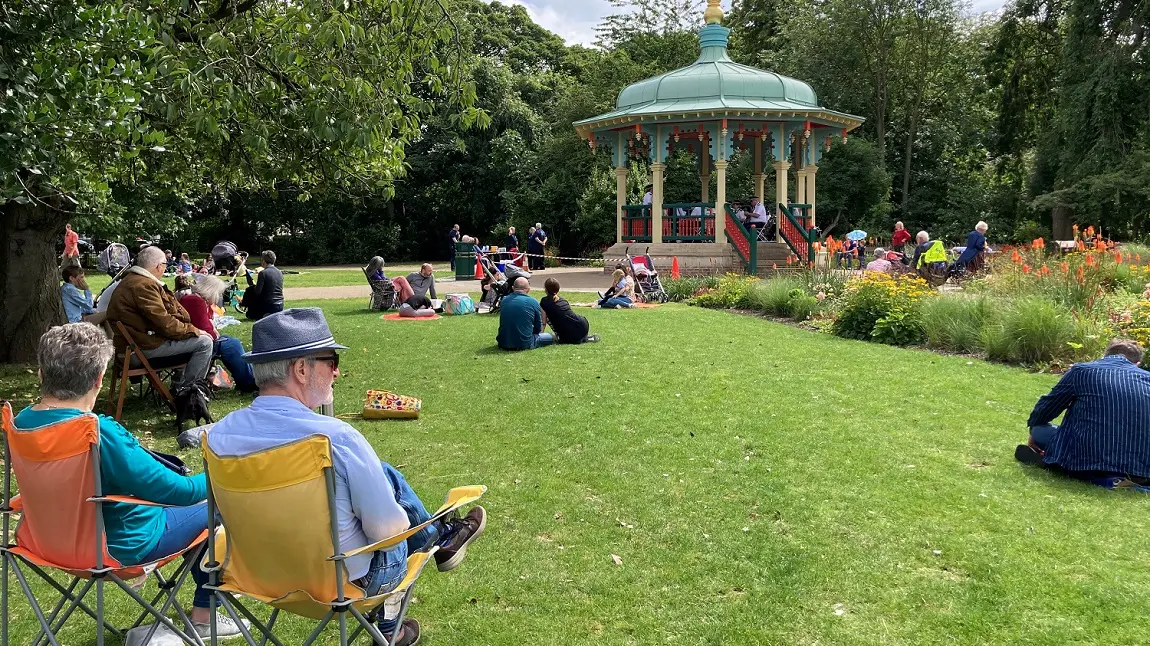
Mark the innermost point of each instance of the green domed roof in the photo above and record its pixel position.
(716, 80)
(714, 86)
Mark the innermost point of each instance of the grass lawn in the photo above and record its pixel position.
(760, 484)
(306, 277)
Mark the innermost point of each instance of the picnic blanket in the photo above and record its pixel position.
(394, 316)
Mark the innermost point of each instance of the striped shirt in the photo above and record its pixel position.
(1107, 422)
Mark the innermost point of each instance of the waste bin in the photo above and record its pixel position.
(464, 261)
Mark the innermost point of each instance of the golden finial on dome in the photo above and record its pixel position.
(714, 14)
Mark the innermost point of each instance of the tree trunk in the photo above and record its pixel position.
(29, 278)
(1060, 223)
(906, 163)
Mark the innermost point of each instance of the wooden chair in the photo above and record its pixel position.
(122, 371)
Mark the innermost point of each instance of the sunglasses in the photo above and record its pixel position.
(333, 360)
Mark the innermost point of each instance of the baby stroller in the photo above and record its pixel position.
(224, 257)
(498, 282)
(648, 287)
(113, 259)
(234, 293)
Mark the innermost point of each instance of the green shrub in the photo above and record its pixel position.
(900, 326)
(876, 296)
(955, 323)
(680, 289)
(802, 306)
(773, 295)
(1032, 330)
(732, 290)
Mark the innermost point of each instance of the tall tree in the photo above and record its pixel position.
(172, 98)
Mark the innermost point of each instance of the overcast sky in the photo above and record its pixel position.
(575, 20)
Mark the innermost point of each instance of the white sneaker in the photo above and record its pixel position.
(225, 628)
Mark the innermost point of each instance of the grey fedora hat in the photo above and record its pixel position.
(294, 332)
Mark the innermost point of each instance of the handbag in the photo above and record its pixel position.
(170, 461)
(458, 304)
(384, 404)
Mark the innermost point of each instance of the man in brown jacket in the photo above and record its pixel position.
(156, 320)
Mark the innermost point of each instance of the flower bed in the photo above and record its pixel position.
(1031, 307)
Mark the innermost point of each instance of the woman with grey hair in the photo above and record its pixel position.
(974, 256)
(72, 360)
(207, 292)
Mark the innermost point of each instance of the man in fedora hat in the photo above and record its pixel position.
(295, 363)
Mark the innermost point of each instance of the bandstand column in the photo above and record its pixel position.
(781, 168)
(812, 170)
(720, 201)
(801, 186)
(620, 200)
(657, 202)
(705, 175)
(759, 176)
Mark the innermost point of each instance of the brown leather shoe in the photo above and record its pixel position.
(408, 633)
(461, 531)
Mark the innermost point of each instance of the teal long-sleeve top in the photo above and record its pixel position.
(126, 469)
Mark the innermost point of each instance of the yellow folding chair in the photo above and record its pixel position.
(279, 542)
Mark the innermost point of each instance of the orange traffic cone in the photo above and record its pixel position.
(675, 267)
(478, 269)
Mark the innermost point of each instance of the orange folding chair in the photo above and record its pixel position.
(61, 527)
(279, 543)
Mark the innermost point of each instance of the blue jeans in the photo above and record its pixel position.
(231, 351)
(542, 339)
(1043, 435)
(388, 567)
(617, 301)
(182, 525)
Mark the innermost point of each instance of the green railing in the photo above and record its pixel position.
(745, 243)
(689, 222)
(796, 232)
(636, 223)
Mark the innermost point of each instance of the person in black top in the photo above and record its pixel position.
(569, 327)
(452, 238)
(266, 296)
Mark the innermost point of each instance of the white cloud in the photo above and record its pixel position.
(574, 20)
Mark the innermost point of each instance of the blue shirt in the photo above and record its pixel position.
(975, 244)
(76, 303)
(126, 469)
(520, 319)
(366, 507)
(1107, 422)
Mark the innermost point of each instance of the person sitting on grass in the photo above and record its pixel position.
(295, 364)
(422, 282)
(76, 295)
(266, 296)
(416, 307)
(1105, 433)
(569, 327)
(521, 320)
(624, 295)
(201, 296)
(880, 264)
(72, 360)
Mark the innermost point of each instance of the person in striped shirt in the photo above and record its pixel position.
(1105, 432)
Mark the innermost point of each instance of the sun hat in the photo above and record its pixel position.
(294, 332)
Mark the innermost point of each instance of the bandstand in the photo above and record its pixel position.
(713, 108)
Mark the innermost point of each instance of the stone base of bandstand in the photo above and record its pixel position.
(697, 258)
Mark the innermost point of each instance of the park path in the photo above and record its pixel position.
(571, 279)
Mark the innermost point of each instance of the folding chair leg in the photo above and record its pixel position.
(35, 606)
(100, 610)
(181, 575)
(4, 596)
(367, 624)
(265, 629)
(79, 602)
(343, 629)
(236, 618)
(57, 624)
(402, 613)
(319, 629)
(158, 615)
